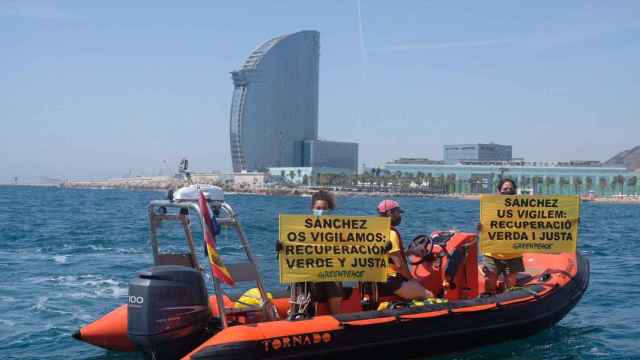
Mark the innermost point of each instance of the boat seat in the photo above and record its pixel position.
(175, 259)
(244, 272)
(244, 310)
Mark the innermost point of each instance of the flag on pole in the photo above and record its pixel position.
(218, 269)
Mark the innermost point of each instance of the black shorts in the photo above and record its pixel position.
(506, 266)
(392, 285)
(322, 291)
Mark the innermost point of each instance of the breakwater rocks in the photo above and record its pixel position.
(137, 183)
(166, 183)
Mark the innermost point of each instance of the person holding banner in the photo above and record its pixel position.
(322, 202)
(495, 264)
(399, 279)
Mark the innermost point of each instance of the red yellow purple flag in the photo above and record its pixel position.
(218, 269)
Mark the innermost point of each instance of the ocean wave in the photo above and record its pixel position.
(7, 322)
(107, 292)
(129, 251)
(99, 282)
(99, 248)
(113, 291)
(81, 295)
(40, 304)
(93, 286)
(60, 259)
(59, 280)
(598, 352)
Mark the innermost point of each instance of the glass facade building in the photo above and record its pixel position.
(275, 102)
(477, 152)
(532, 177)
(327, 154)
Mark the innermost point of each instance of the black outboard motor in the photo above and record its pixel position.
(168, 311)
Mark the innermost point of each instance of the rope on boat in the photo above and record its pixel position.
(300, 301)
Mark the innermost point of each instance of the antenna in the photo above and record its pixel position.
(183, 172)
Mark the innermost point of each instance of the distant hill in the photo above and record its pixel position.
(629, 158)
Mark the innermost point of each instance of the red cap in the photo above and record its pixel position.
(386, 205)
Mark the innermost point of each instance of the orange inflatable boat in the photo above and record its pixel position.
(170, 315)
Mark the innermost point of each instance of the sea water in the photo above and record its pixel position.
(67, 255)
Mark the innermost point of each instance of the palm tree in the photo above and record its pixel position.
(602, 183)
(386, 176)
(451, 183)
(536, 181)
(620, 180)
(525, 181)
(548, 181)
(331, 178)
(407, 179)
(475, 182)
(440, 182)
(577, 183)
(563, 183)
(420, 177)
(396, 176)
(589, 183)
(632, 182)
(367, 178)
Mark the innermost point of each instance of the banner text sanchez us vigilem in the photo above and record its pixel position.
(518, 224)
(333, 248)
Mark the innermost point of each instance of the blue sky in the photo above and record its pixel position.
(95, 89)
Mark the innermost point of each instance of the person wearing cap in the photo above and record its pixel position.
(399, 279)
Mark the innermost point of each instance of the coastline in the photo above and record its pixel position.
(165, 183)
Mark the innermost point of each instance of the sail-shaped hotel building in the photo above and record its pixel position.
(274, 109)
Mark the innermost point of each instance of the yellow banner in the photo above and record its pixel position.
(333, 248)
(519, 224)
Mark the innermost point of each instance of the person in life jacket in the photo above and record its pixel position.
(399, 279)
(496, 264)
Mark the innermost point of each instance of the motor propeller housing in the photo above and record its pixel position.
(167, 305)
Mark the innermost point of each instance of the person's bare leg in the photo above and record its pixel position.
(511, 280)
(335, 304)
(413, 290)
(490, 281)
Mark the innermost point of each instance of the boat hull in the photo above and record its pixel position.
(557, 284)
(419, 331)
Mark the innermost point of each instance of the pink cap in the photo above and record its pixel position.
(386, 205)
